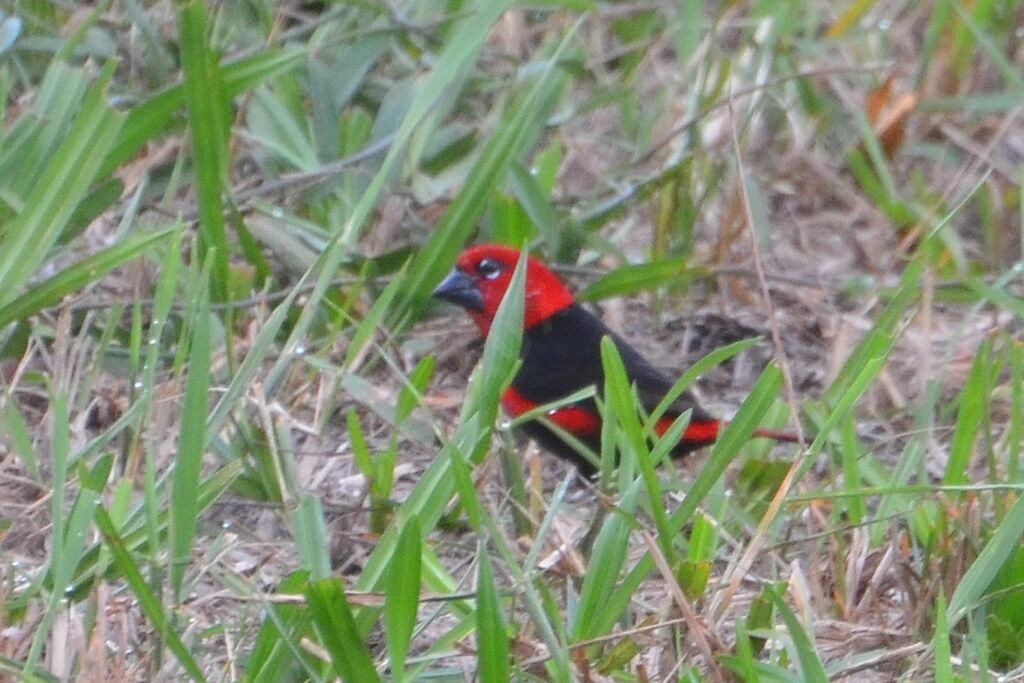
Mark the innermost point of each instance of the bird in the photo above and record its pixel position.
(561, 354)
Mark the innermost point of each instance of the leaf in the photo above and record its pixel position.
(632, 279)
(338, 633)
(64, 182)
(209, 118)
(987, 565)
(53, 289)
(191, 442)
(491, 634)
(888, 115)
(403, 595)
(811, 668)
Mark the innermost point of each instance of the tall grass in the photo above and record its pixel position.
(201, 275)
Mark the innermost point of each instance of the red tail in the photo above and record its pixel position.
(777, 434)
(707, 432)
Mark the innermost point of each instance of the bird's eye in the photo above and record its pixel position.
(489, 268)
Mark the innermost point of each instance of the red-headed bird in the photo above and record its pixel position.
(561, 354)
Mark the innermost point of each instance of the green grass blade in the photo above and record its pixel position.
(403, 595)
(711, 360)
(491, 634)
(364, 332)
(126, 563)
(277, 650)
(157, 115)
(619, 397)
(252, 363)
(311, 538)
(33, 139)
(940, 643)
(209, 119)
(337, 628)
(60, 549)
(884, 328)
(69, 536)
(990, 560)
(26, 240)
(736, 433)
(432, 493)
(471, 33)
(610, 552)
(620, 409)
(88, 270)
(634, 279)
(970, 417)
(811, 668)
(722, 453)
(191, 442)
(15, 429)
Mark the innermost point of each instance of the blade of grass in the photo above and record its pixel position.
(32, 140)
(988, 563)
(1009, 71)
(433, 491)
(278, 650)
(491, 634)
(77, 276)
(157, 115)
(457, 54)
(15, 429)
(969, 417)
(940, 643)
(209, 119)
(594, 611)
(633, 279)
(191, 441)
(65, 181)
(736, 433)
(1015, 432)
(713, 359)
(364, 331)
(722, 453)
(811, 668)
(620, 409)
(402, 597)
(127, 565)
(311, 538)
(69, 531)
(338, 632)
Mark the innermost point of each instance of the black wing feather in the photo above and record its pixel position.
(562, 355)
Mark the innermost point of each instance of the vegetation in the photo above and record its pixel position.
(237, 440)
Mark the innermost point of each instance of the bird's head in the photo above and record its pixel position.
(482, 275)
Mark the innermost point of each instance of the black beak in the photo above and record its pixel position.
(460, 289)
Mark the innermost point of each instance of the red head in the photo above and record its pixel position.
(482, 275)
